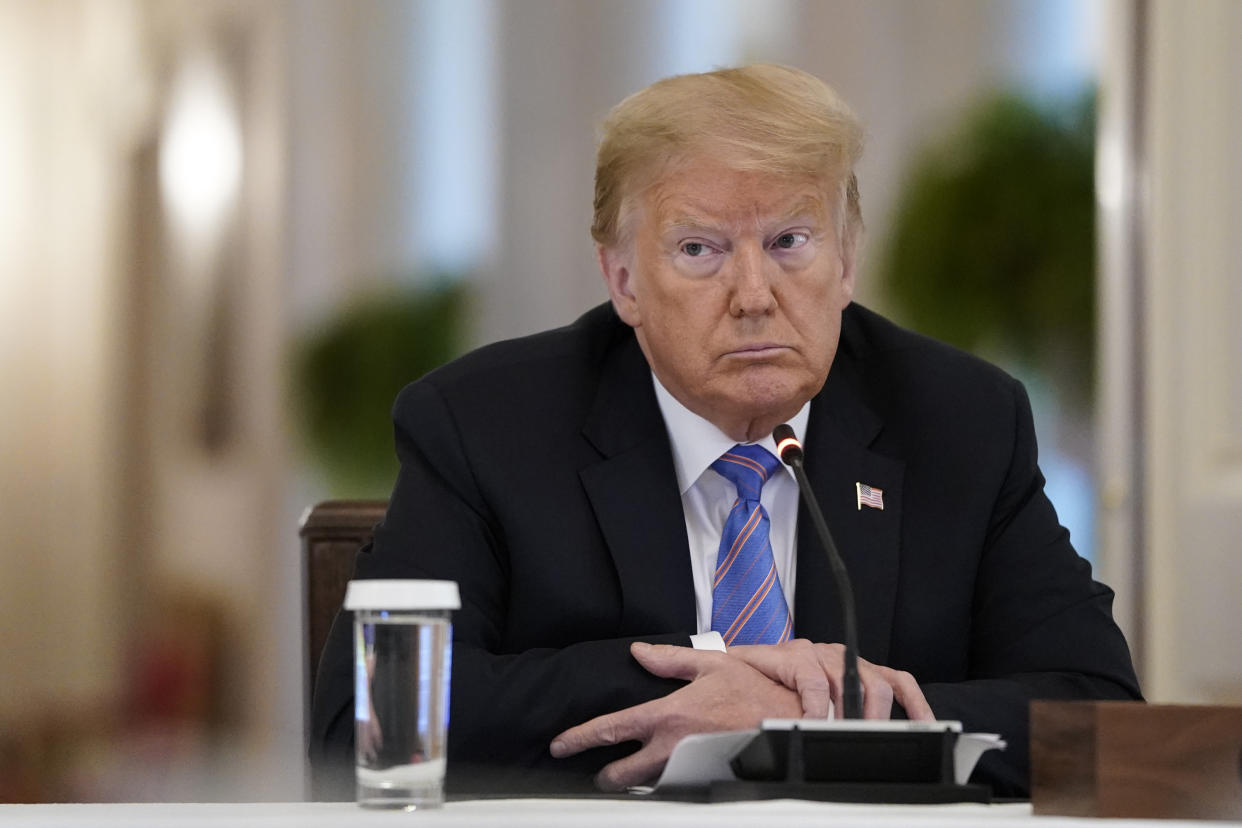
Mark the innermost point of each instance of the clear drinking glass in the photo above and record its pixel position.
(403, 646)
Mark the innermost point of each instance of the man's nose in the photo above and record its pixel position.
(752, 285)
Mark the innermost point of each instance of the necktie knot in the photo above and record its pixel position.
(747, 467)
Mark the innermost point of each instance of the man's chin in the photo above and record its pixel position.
(771, 393)
(757, 413)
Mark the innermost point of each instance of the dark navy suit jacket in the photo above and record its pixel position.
(537, 473)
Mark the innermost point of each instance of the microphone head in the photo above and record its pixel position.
(787, 446)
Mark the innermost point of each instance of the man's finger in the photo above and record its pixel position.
(609, 729)
(816, 699)
(773, 661)
(814, 688)
(639, 768)
(838, 698)
(797, 671)
(910, 696)
(670, 661)
(877, 694)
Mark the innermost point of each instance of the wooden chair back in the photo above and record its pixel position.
(332, 533)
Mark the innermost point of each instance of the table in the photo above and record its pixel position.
(538, 813)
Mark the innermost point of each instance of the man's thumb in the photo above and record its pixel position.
(669, 661)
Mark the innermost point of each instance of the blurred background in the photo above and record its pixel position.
(231, 230)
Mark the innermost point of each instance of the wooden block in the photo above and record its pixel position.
(1128, 759)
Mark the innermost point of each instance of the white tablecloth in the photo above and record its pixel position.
(541, 813)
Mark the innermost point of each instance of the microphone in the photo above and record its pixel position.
(849, 761)
(789, 449)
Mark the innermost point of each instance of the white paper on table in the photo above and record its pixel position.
(966, 753)
(702, 758)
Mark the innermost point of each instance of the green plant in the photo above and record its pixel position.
(348, 372)
(993, 241)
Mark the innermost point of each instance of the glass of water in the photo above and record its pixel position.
(403, 645)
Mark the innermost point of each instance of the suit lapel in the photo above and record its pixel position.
(840, 430)
(633, 491)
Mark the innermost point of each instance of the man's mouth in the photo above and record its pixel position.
(758, 350)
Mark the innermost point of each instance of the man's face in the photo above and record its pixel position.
(734, 283)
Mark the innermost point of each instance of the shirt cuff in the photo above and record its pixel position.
(708, 641)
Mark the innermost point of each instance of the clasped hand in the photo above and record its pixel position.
(732, 691)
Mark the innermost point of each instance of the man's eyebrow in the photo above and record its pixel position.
(681, 217)
(812, 206)
(670, 216)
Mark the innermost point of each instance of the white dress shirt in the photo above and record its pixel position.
(707, 497)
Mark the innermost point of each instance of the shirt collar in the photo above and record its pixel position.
(697, 443)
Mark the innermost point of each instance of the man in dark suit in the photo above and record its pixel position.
(577, 484)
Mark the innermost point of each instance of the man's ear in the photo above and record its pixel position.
(849, 264)
(614, 264)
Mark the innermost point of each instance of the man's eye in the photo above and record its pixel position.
(694, 248)
(788, 241)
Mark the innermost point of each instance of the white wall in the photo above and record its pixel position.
(62, 166)
(1193, 352)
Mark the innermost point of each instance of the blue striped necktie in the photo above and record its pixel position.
(748, 604)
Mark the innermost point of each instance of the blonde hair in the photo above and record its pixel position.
(763, 117)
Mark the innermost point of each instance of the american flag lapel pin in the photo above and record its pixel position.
(869, 496)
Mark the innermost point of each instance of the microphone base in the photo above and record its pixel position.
(850, 761)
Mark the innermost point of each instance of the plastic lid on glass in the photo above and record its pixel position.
(390, 594)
